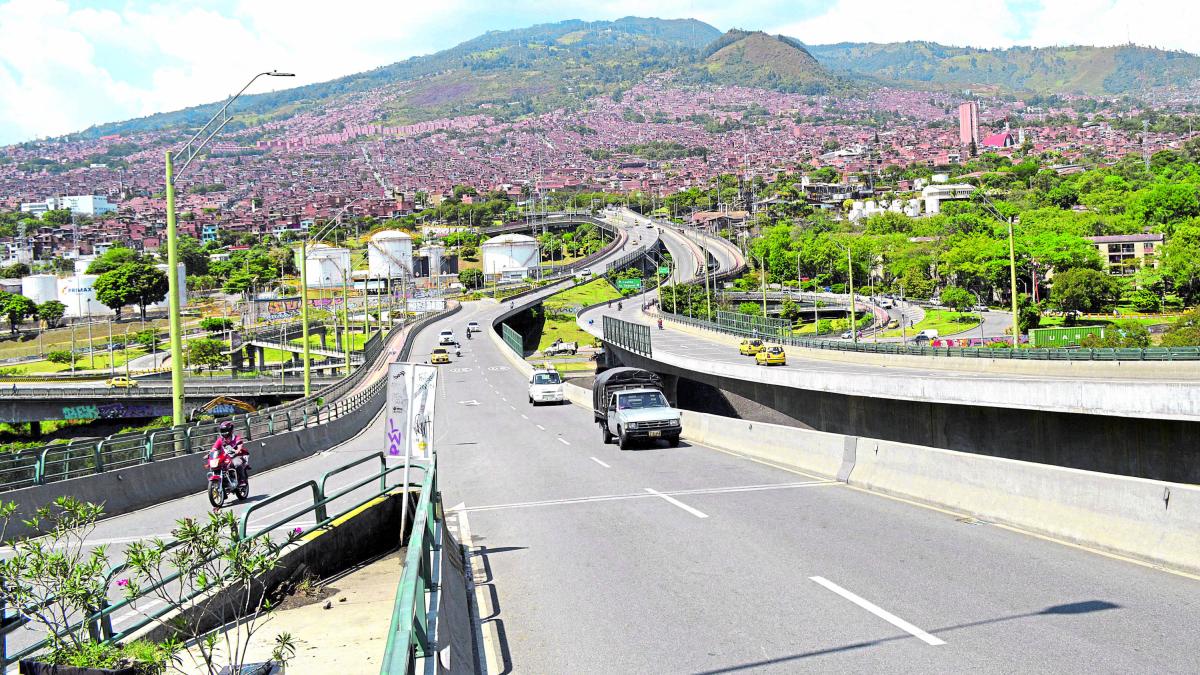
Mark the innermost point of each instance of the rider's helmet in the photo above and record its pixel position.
(226, 430)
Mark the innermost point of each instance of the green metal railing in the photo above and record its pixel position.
(50, 463)
(408, 635)
(762, 326)
(632, 336)
(1083, 354)
(101, 621)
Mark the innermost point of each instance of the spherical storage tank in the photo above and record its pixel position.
(40, 287)
(509, 252)
(389, 254)
(326, 265)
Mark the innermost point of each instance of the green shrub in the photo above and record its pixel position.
(59, 356)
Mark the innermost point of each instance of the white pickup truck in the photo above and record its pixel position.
(629, 405)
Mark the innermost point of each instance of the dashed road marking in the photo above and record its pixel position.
(880, 612)
(600, 463)
(540, 427)
(563, 441)
(675, 502)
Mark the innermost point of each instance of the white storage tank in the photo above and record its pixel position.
(78, 293)
(389, 254)
(509, 252)
(326, 265)
(40, 287)
(435, 254)
(181, 279)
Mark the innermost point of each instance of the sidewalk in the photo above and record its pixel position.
(346, 639)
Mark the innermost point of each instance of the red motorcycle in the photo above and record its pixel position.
(226, 475)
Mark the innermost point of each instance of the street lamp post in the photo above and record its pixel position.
(188, 153)
(853, 305)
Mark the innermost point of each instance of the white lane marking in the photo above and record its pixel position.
(540, 427)
(524, 416)
(504, 399)
(600, 463)
(145, 608)
(880, 612)
(671, 500)
(563, 441)
(512, 406)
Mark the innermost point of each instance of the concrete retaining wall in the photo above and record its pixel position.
(1149, 520)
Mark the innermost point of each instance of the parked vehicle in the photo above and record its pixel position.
(771, 356)
(121, 382)
(224, 477)
(559, 348)
(545, 386)
(629, 405)
(979, 308)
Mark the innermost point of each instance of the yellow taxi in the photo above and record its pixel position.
(771, 356)
(750, 347)
(439, 355)
(121, 382)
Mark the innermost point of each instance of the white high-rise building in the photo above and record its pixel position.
(84, 205)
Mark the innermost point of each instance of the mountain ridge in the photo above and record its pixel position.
(541, 67)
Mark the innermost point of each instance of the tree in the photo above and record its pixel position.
(216, 323)
(15, 307)
(205, 353)
(957, 299)
(51, 311)
(133, 283)
(14, 271)
(192, 255)
(1185, 332)
(112, 259)
(1181, 260)
(1165, 203)
(146, 338)
(471, 278)
(1084, 290)
(1029, 314)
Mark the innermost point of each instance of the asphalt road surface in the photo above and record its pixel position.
(691, 560)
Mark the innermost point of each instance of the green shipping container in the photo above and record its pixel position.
(1062, 337)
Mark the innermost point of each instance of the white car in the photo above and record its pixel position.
(545, 387)
(473, 327)
(446, 337)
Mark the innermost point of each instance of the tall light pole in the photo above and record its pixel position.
(188, 154)
(853, 305)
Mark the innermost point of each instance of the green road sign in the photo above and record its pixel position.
(629, 283)
(664, 271)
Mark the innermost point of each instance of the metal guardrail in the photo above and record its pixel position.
(100, 622)
(408, 634)
(1082, 354)
(632, 336)
(51, 463)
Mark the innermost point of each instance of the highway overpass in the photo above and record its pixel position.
(699, 559)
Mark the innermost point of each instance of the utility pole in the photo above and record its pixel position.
(304, 314)
(853, 317)
(346, 316)
(1012, 269)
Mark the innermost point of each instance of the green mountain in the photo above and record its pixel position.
(1096, 71)
(517, 71)
(755, 59)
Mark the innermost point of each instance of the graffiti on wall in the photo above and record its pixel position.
(110, 411)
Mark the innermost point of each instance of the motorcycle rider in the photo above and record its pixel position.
(232, 445)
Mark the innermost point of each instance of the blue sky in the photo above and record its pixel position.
(68, 64)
